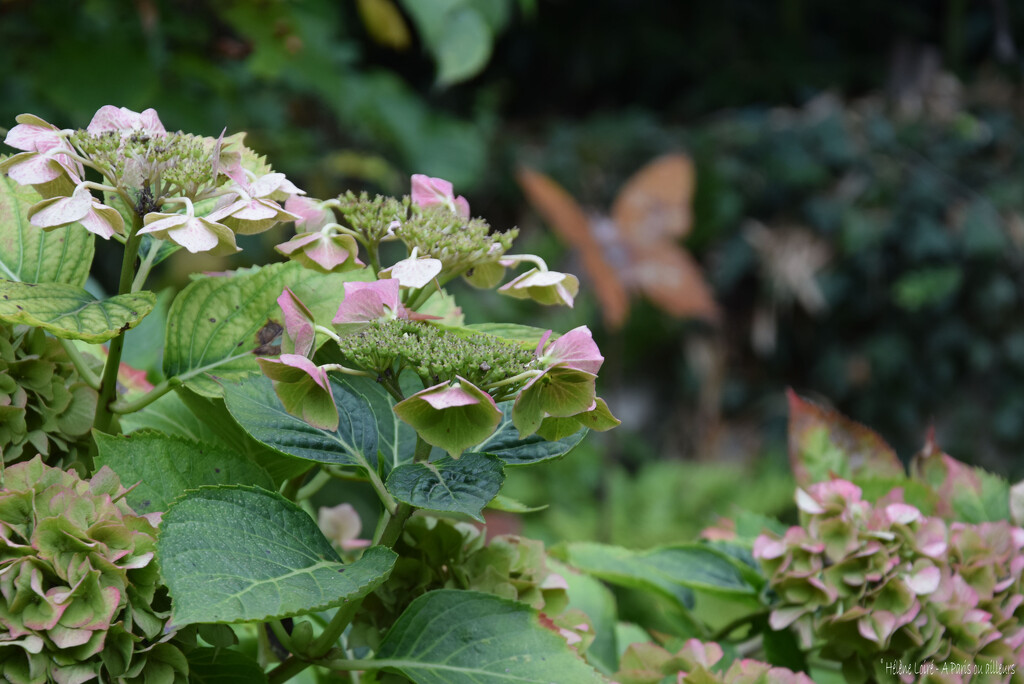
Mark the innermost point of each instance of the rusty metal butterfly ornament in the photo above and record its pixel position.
(635, 248)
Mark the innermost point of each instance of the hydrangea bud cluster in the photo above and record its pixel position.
(870, 583)
(198, 192)
(694, 663)
(79, 590)
(380, 333)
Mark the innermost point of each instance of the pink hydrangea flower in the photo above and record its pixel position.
(322, 252)
(312, 214)
(81, 207)
(368, 302)
(254, 210)
(575, 349)
(427, 191)
(303, 388)
(111, 118)
(341, 525)
(42, 160)
(194, 233)
(453, 416)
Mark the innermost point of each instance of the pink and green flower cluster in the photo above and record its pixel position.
(381, 334)
(870, 582)
(198, 192)
(80, 598)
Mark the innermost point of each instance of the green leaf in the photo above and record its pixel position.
(217, 325)
(823, 443)
(525, 334)
(506, 445)
(989, 502)
(926, 287)
(510, 505)
(223, 666)
(172, 465)
(466, 637)
(449, 485)
(258, 410)
(669, 570)
(240, 554)
(31, 255)
(70, 312)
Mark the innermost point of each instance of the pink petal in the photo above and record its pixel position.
(318, 374)
(448, 396)
(34, 138)
(924, 582)
(95, 223)
(416, 272)
(902, 514)
(65, 210)
(462, 207)
(111, 118)
(365, 302)
(256, 210)
(35, 169)
(427, 191)
(312, 216)
(575, 349)
(807, 504)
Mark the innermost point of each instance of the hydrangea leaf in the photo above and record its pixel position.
(223, 666)
(218, 325)
(255, 406)
(466, 637)
(506, 444)
(823, 443)
(463, 485)
(240, 554)
(172, 465)
(32, 255)
(70, 312)
(670, 571)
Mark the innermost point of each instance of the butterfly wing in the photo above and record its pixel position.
(656, 202)
(652, 211)
(566, 216)
(673, 281)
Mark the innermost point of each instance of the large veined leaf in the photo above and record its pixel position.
(172, 465)
(463, 485)
(217, 325)
(31, 255)
(255, 406)
(466, 637)
(240, 554)
(506, 445)
(669, 570)
(70, 312)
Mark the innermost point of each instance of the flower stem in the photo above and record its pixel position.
(78, 361)
(147, 264)
(532, 258)
(108, 382)
(146, 399)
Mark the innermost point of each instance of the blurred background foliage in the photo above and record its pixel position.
(860, 183)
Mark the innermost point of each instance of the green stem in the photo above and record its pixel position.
(286, 670)
(423, 294)
(323, 643)
(108, 383)
(395, 520)
(78, 361)
(146, 399)
(373, 254)
(327, 331)
(307, 490)
(147, 264)
(281, 633)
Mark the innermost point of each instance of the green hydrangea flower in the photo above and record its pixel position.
(80, 598)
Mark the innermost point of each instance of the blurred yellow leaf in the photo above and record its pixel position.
(385, 23)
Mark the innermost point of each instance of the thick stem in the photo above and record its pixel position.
(108, 382)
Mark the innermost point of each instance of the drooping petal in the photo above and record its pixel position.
(249, 217)
(451, 416)
(60, 211)
(543, 287)
(31, 168)
(32, 134)
(303, 388)
(194, 233)
(299, 331)
(559, 392)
